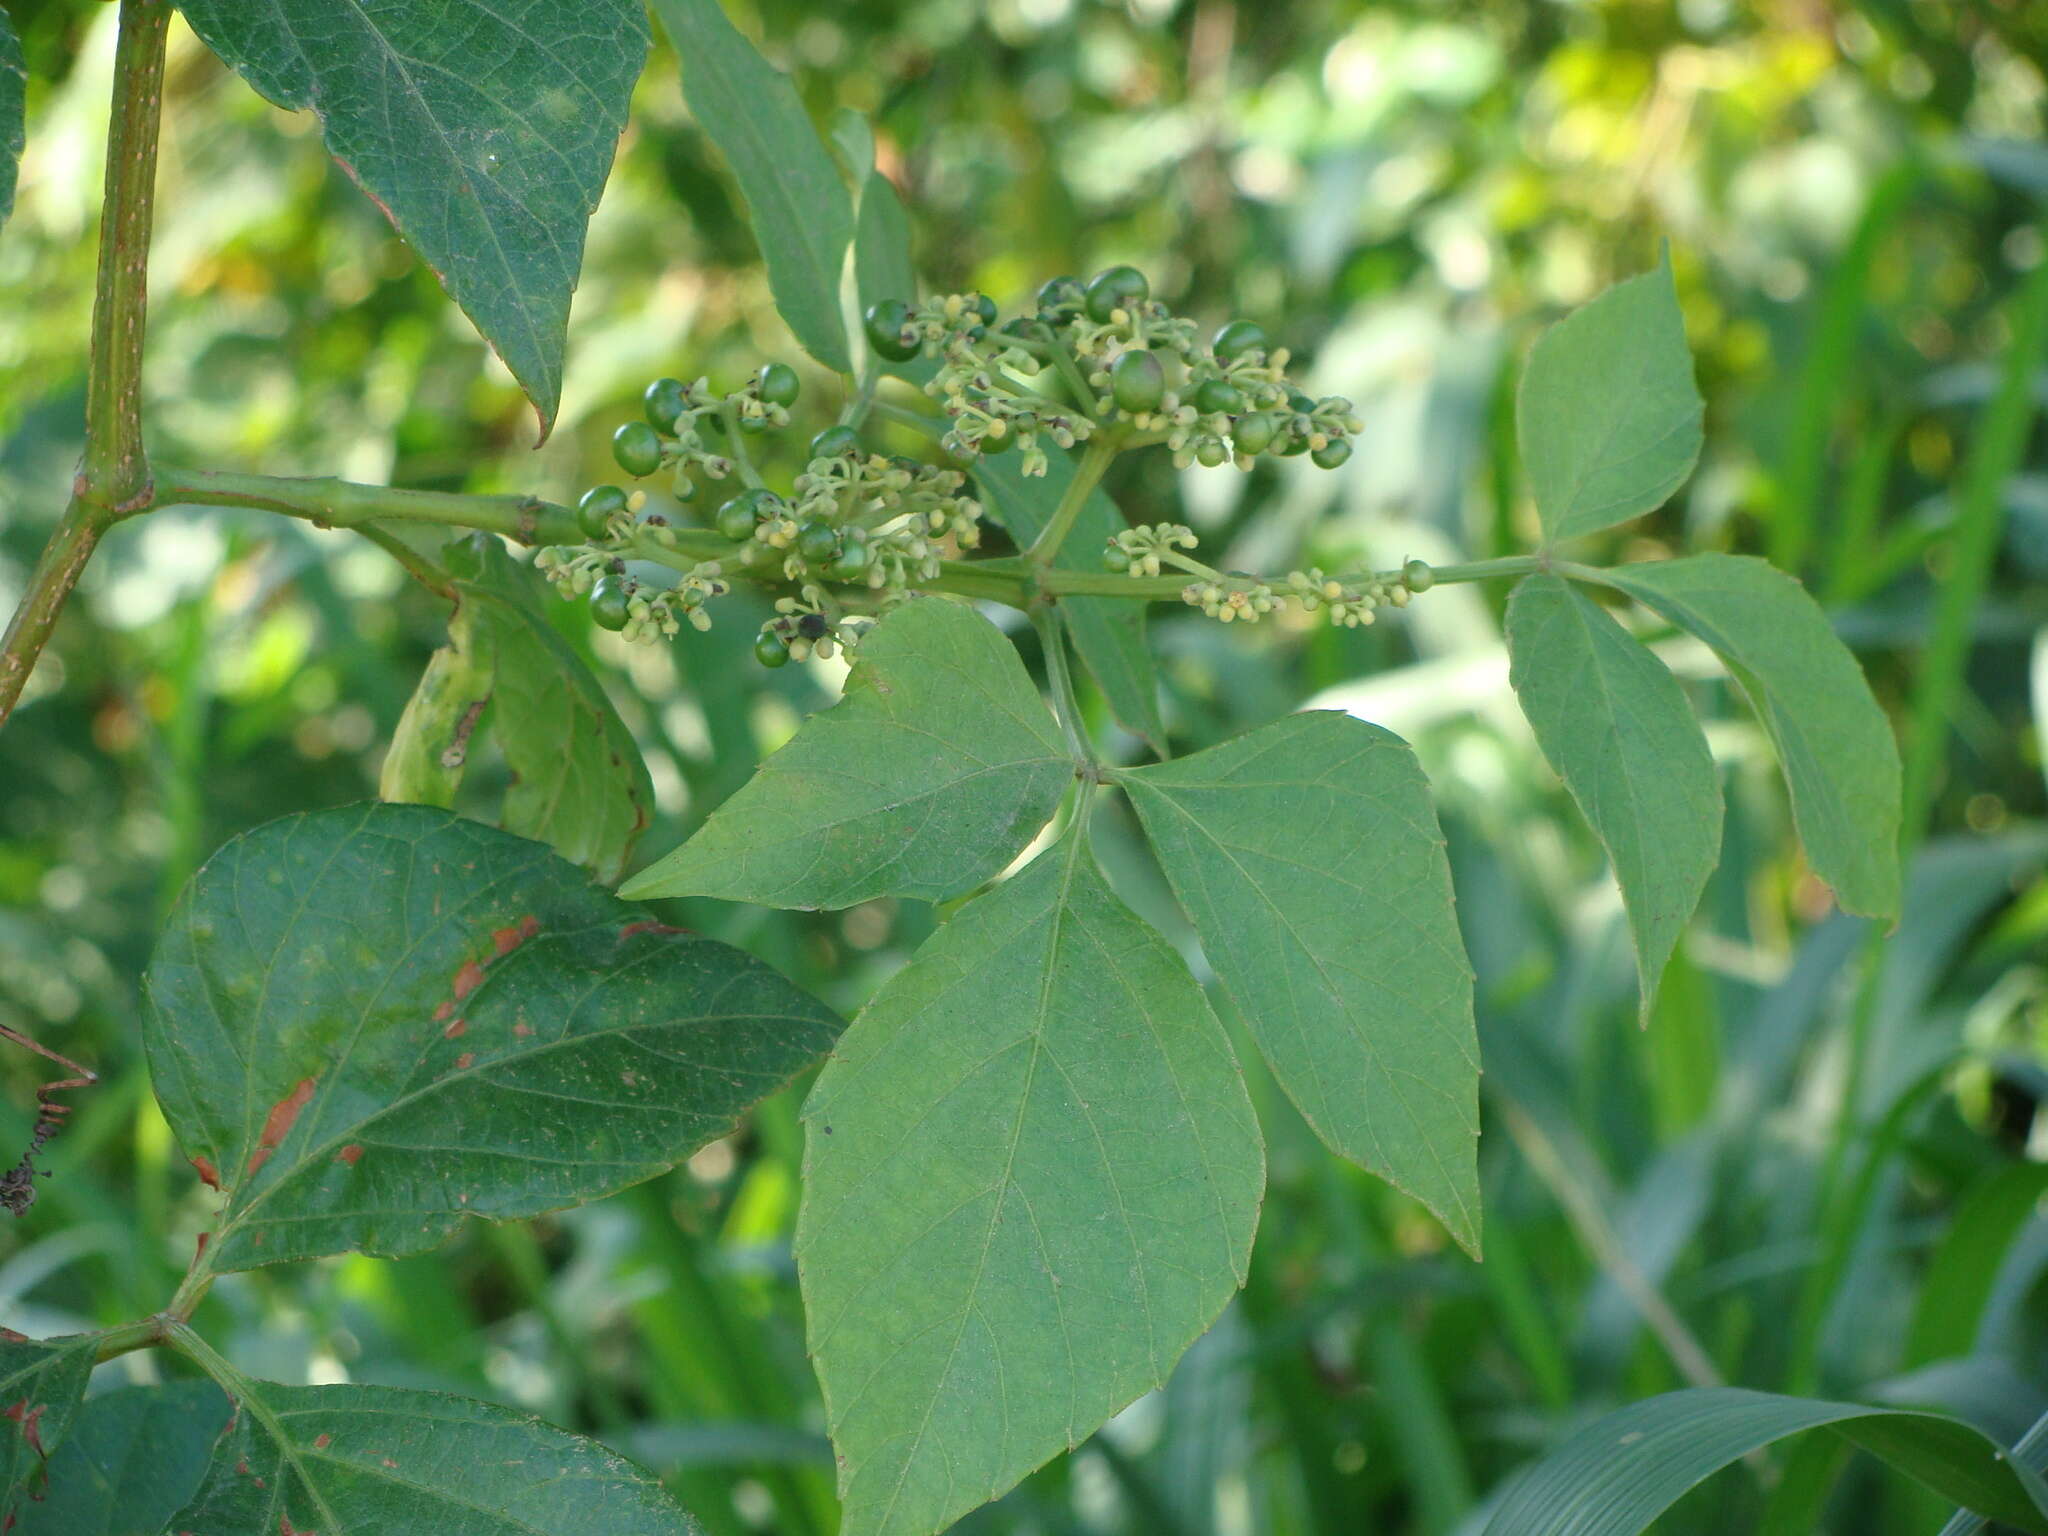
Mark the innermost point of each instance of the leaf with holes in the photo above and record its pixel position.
(366, 1024)
(1834, 744)
(483, 128)
(42, 1382)
(1615, 725)
(932, 773)
(1608, 416)
(1031, 1179)
(133, 1458)
(13, 116)
(802, 215)
(338, 1460)
(1308, 857)
(1109, 632)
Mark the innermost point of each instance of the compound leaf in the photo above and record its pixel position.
(1031, 1179)
(132, 1460)
(1616, 1476)
(1834, 744)
(1615, 725)
(1308, 857)
(1608, 415)
(337, 1460)
(366, 1024)
(931, 774)
(13, 113)
(802, 215)
(1109, 632)
(42, 1382)
(483, 128)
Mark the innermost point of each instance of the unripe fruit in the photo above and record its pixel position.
(1211, 453)
(735, 519)
(835, 442)
(884, 323)
(1418, 576)
(1253, 433)
(779, 385)
(1289, 443)
(1218, 397)
(984, 307)
(1332, 453)
(1236, 340)
(769, 651)
(637, 448)
(1137, 382)
(817, 542)
(1061, 298)
(1117, 558)
(608, 603)
(852, 562)
(664, 400)
(1299, 403)
(1115, 288)
(595, 511)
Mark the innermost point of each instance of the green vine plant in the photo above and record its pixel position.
(1032, 1172)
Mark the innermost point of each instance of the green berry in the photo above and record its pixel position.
(637, 447)
(1117, 558)
(1299, 403)
(1237, 339)
(817, 542)
(1418, 576)
(595, 511)
(1138, 382)
(1218, 397)
(1061, 298)
(735, 519)
(1115, 288)
(770, 651)
(1253, 433)
(1211, 453)
(984, 307)
(608, 603)
(1289, 443)
(835, 442)
(1332, 453)
(885, 323)
(779, 385)
(852, 561)
(664, 400)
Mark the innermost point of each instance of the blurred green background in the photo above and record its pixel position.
(1820, 1169)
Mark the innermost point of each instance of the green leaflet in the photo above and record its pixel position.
(931, 774)
(13, 115)
(1614, 1477)
(1109, 632)
(132, 1460)
(1833, 742)
(340, 1460)
(803, 218)
(42, 1382)
(578, 781)
(1616, 727)
(1608, 416)
(368, 1023)
(1031, 1179)
(483, 128)
(1307, 855)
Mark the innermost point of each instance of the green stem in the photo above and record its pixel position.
(143, 1333)
(56, 573)
(328, 502)
(422, 570)
(736, 445)
(1052, 635)
(1087, 475)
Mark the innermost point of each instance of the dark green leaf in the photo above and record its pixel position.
(578, 781)
(483, 128)
(42, 1382)
(133, 1458)
(1031, 1179)
(1608, 415)
(1109, 632)
(803, 217)
(343, 1460)
(1308, 857)
(366, 1024)
(1616, 1476)
(1616, 727)
(931, 774)
(13, 97)
(1833, 742)
(1965, 1265)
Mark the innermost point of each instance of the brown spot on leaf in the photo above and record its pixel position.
(388, 1461)
(649, 926)
(456, 1030)
(508, 939)
(350, 1154)
(284, 1114)
(447, 1006)
(12, 1337)
(468, 979)
(27, 1416)
(465, 1061)
(522, 1029)
(208, 1174)
(242, 1467)
(321, 1442)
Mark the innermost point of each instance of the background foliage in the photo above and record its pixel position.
(1404, 193)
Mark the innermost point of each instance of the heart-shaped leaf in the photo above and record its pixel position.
(1031, 1179)
(1307, 855)
(483, 128)
(133, 1458)
(932, 773)
(339, 1460)
(366, 1024)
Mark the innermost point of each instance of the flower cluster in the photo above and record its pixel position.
(1236, 597)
